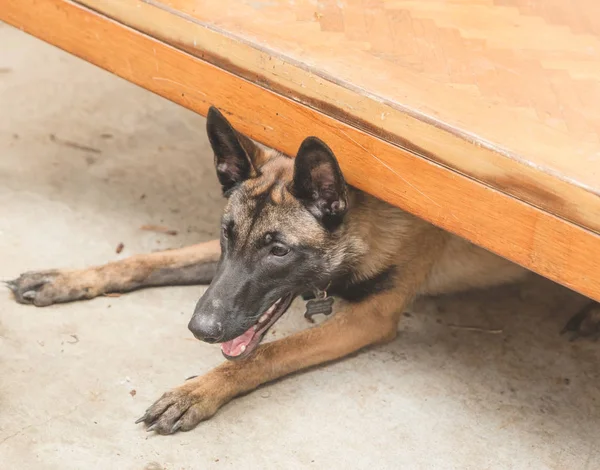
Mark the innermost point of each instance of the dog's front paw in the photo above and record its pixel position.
(34, 288)
(183, 408)
(42, 288)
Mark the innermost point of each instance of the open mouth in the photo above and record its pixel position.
(244, 344)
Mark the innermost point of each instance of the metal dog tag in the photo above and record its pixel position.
(317, 306)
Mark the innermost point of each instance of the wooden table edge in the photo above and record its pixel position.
(529, 236)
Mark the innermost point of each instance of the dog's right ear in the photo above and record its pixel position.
(233, 151)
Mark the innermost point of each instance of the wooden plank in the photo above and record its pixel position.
(533, 238)
(467, 84)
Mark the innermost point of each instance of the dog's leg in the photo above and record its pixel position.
(370, 322)
(191, 265)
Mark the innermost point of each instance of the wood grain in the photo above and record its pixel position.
(547, 244)
(506, 92)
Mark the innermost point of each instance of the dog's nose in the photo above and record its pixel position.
(206, 329)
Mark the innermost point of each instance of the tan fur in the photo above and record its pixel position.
(189, 265)
(428, 260)
(375, 236)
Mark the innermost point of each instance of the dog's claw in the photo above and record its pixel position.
(191, 377)
(29, 295)
(176, 427)
(12, 285)
(142, 419)
(151, 428)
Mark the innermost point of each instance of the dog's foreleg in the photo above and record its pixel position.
(199, 398)
(373, 320)
(190, 265)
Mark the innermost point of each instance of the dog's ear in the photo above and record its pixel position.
(237, 157)
(319, 182)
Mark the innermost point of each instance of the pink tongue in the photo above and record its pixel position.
(233, 348)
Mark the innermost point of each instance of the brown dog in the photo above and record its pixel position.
(291, 227)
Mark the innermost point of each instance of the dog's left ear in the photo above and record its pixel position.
(319, 182)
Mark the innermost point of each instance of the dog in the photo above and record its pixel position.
(291, 227)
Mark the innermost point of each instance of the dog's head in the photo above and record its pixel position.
(279, 231)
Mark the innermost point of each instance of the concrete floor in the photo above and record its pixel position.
(513, 394)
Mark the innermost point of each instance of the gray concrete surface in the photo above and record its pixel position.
(509, 395)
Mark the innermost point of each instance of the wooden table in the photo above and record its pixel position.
(481, 116)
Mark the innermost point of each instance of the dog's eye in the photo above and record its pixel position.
(279, 250)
